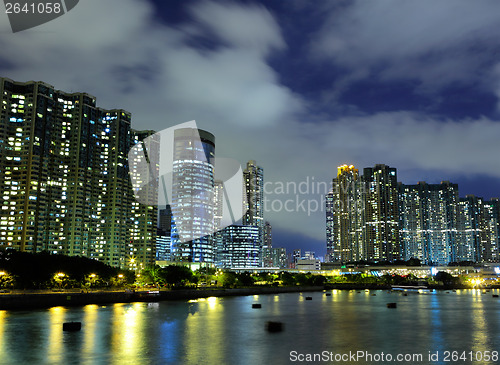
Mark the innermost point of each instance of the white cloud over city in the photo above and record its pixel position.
(120, 52)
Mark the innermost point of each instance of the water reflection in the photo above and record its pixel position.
(55, 338)
(3, 321)
(208, 322)
(228, 330)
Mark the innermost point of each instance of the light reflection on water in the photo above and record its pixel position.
(229, 331)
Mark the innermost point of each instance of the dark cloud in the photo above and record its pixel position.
(128, 59)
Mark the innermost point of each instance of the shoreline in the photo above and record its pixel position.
(41, 300)
(28, 301)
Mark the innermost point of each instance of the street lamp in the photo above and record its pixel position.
(2, 273)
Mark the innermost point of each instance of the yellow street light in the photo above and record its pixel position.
(93, 275)
(120, 276)
(2, 273)
(61, 274)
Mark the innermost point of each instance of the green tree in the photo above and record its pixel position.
(176, 276)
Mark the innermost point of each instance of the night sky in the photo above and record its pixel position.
(300, 86)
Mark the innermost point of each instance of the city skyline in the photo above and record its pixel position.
(297, 87)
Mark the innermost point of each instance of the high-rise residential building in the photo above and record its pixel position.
(381, 214)
(330, 210)
(428, 218)
(267, 259)
(491, 235)
(193, 196)
(279, 257)
(477, 227)
(239, 247)
(253, 177)
(469, 247)
(345, 216)
(64, 177)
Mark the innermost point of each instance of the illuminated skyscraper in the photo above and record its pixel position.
(240, 247)
(330, 210)
(345, 217)
(254, 189)
(267, 248)
(193, 195)
(428, 222)
(381, 214)
(64, 176)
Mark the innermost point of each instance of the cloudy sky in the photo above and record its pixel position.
(300, 86)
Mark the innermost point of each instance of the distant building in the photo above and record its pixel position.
(192, 196)
(279, 258)
(345, 217)
(428, 222)
(477, 230)
(163, 246)
(239, 247)
(381, 214)
(309, 255)
(254, 189)
(308, 264)
(267, 259)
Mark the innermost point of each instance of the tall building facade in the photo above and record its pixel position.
(428, 220)
(345, 216)
(240, 247)
(280, 258)
(267, 248)
(330, 217)
(253, 178)
(64, 176)
(381, 214)
(193, 196)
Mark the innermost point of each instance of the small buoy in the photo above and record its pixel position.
(309, 298)
(392, 305)
(495, 295)
(72, 326)
(359, 292)
(274, 326)
(328, 294)
(256, 305)
(374, 295)
(405, 294)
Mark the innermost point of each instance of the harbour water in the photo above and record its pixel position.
(228, 330)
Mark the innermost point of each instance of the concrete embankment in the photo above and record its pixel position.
(45, 300)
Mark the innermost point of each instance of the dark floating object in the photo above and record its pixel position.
(495, 295)
(72, 326)
(309, 298)
(256, 305)
(374, 295)
(274, 326)
(392, 305)
(328, 294)
(405, 294)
